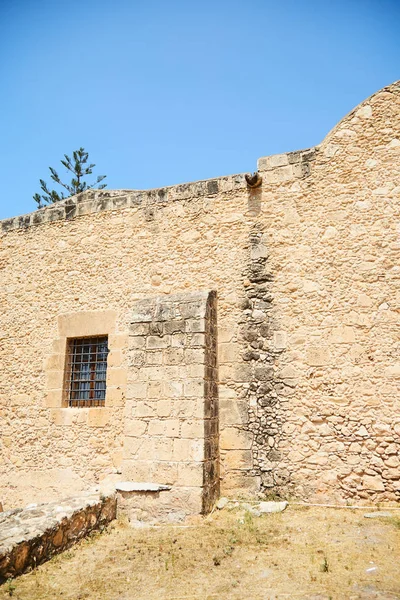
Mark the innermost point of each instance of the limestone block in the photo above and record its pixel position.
(187, 408)
(173, 356)
(393, 371)
(153, 373)
(392, 462)
(319, 458)
(186, 450)
(154, 389)
(193, 429)
(114, 358)
(163, 449)
(226, 372)
(176, 326)
(318, 356)
(137, 390)
(195, 325)
(118, 341)
(142, 450)
(392, 449)
(196, 371)
(226, 334)
(194, 387)
(239, 481)
(165, 472)
(178, 340)
(54, 398)
(259, 251)
(117, 376)
(364, 112)
(288, 372)
(228, 353)
(98, 417)
(65, 416)
(140, 329)
(114, 396)
(164, 408)
(137, 342)
(196, 339)
(116, 458)
(280, 340)
(137, 427)
(238, 459)
(287, 173)
(190, 474)
(194, 355)
(87, 323)
(343, 335)
(295, 456)
(373, 483)
(144, 409)
(232, 412)
(172, 389)
(54, 362)
(58, 346)
(136, 470)
(155, 342)
(235, 439)
(172, 427)
(54, 379)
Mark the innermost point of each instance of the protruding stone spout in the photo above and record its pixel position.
(253, 181)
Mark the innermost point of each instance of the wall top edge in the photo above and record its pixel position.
(190, 305)
(93, 201)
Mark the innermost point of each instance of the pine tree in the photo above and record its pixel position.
(79, 168)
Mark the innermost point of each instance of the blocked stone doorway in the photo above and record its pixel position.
(171, 434)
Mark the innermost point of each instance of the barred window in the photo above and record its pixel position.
(87, 359)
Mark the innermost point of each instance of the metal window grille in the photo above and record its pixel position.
(87, 358)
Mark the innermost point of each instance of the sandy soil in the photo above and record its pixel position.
(303, 553)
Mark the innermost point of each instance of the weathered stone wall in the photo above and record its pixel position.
(171, 411)
(306, 271)
(82, 276)
(31, 536)
(333, 242)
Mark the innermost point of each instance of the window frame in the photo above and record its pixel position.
(91, 381)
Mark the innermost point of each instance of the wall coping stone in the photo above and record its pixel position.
(94, 201)
(295, 164)
(32, 535)
(174, 306)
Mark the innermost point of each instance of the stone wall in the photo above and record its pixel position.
(306, 271)
(171, 411)
(31, 536)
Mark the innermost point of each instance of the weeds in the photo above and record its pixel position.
(395, 521)
(325, 565)
(10, 586)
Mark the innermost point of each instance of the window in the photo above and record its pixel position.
(86, 377)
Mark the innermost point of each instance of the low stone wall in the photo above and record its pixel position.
(31, 536)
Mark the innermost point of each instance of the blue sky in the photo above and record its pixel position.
(166, 92)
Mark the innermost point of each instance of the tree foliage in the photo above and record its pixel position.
(80, 168)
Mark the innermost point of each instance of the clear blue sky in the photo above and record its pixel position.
(162, 92)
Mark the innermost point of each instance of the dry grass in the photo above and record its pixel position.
(302, 553)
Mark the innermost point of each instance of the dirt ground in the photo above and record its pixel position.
(302, 553)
